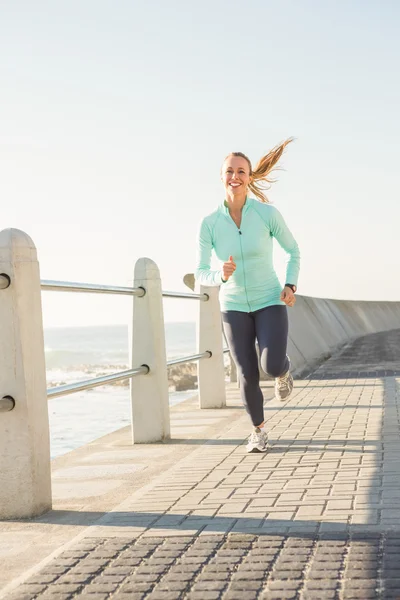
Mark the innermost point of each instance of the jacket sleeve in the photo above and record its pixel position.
(204, 275)
(284, 237)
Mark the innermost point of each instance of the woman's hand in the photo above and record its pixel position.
(228, 268)
(287, 296)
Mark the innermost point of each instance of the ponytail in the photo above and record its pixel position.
(260, 180)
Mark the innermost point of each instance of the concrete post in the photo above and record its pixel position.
(211, 371)
(25, 484)
(149, 393)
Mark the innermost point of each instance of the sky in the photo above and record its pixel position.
(115, 118)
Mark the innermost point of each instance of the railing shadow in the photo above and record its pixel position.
(181, 523)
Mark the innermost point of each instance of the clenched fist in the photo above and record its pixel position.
(228, 268)
(287, 296)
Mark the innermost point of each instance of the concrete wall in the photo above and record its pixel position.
(318, 326)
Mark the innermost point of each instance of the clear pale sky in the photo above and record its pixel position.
(115, 118)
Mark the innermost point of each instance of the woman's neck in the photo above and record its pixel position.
(236, 203)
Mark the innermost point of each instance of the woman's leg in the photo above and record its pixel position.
(240, 333)
(272, 333)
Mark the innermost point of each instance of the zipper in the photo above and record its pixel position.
(241, 252)
(244, 272)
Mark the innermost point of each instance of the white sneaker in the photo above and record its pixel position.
(258, 441)
(284, 385)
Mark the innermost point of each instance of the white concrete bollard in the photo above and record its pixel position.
(25, 483)
(149, 393)
(210, 371)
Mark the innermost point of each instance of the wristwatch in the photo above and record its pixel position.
(291, 286)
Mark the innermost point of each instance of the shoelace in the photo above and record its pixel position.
(283, 381)
(256, 437)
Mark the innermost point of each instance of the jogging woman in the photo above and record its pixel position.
(253, 304)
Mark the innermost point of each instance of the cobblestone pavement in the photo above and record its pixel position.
(375, 355)
(316, 517)
(235, 567)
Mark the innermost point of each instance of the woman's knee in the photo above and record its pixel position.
(272, 365)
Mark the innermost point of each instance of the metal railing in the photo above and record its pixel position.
(93, 288)
(63, 390)
(71, 388)
(7, 403)
(68, 286)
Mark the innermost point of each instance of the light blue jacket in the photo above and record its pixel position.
(254, 284)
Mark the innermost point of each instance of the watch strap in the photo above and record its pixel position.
(291, 286)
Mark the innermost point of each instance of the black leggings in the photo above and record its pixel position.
(270, 327)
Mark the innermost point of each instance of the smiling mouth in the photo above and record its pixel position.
(235, 184)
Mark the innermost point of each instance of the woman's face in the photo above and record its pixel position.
(235, 175)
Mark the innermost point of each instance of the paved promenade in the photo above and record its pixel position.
(317, 517)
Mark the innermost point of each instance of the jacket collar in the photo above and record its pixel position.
(224, 206)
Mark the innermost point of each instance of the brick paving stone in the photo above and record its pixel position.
(320, 584)
(49, 569)
(84, 596)
(318, 595)
(219, 567)
(164, 595)
(286, 574)
(241, 595)
(244, 584)
(360, 583)
(74, 578)
(51, 595)
(133, 586)
(392, 583)
(208, 586)
(253, 575)
(354, 594)
(31, 589)
(129, 596)
(283, 585)
(43, 578)
(324, 574)
(101, 588)
(203, 595)
(172, 586)
(264, 565)
(214, 576)
(279, 595)
(299, 543)
(227, 559)
(65, 588)
(108, 579)
(179, 577)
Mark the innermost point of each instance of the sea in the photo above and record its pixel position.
(80, 353)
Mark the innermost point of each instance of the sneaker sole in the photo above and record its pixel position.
(284, 399)
(256, 450)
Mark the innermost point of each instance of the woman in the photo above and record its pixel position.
(253, 305)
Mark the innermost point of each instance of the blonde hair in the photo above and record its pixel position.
(260, 180)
